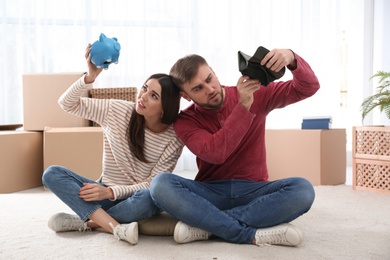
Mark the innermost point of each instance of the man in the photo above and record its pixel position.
(231, 196)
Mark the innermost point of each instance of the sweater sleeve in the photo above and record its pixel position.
(214, 145)
(73, 102)
(280, 94)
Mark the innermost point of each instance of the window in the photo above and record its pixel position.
(332, 35)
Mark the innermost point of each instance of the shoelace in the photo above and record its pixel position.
(84, 228)
(198, 233)
(72, 223)
(269, 238)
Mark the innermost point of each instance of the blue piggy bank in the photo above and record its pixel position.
(105, 51)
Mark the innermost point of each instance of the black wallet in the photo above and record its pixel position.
(250, 66)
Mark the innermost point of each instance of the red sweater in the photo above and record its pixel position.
(229, 143)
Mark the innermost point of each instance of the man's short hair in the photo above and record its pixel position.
(186, 68)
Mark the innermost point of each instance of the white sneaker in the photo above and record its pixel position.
(283, 234)
(62, 222)
(126, 232)
(185, 233)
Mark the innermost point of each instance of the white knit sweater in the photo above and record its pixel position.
(122, 171)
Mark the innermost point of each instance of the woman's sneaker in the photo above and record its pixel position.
(185, 233)
(283, 234)
(126, 232)
(62, 222)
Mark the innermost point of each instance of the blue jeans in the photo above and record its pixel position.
(66, 185)
(232, 209)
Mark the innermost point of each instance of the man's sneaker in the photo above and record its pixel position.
(185, 233)
(283, 234)
(62, 222)
(126, 232)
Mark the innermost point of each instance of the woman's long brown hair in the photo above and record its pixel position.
(170, 98)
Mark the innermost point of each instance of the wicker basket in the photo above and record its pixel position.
(129, 94)
(371, 175)
(371, 159)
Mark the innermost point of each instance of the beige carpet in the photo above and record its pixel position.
(343, 224)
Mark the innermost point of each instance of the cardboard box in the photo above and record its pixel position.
(40, 101)
(317, 155)
(79, 149)
(21, 160)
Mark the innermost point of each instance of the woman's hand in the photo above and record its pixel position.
(93, 71)
(95, 192)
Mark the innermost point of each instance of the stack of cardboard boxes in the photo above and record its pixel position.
(49, 136)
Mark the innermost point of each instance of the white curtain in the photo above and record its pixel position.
(51, 36)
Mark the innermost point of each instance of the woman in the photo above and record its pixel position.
(139, 142)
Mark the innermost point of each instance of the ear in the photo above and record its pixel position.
(185, 96)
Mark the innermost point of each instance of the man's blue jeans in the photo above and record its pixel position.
(66, 185)
(232, 209)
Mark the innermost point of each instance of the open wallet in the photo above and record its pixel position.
(250, 66)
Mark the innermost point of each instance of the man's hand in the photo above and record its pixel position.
(276, 59)
(246, 87)
(95, 192)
